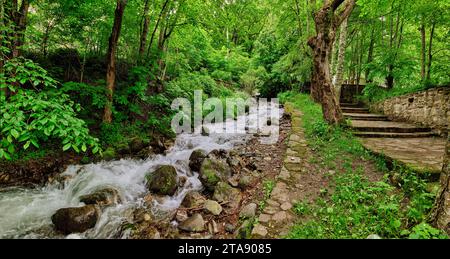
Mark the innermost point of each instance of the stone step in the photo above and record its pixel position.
(354, 110)
(351, 105)
(387, 126)
(392, 129)
(394, 134)
(366, 116)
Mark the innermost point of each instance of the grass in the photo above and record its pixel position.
(358, 207)
(267, 190)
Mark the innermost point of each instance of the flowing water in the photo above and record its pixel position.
(26, 213)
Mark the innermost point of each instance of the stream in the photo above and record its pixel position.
(26, 213)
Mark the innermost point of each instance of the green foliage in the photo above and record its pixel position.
(24, 72)
(267, 191)
(425, 231)
(29, 118)
(375, 93)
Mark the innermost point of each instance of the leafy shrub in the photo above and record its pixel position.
(425, 231)
(29, 117)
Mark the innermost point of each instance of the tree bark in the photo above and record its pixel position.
(370, 54)
(20, 22)
(341, 58)
(322, 89)
(144, 34)
(18, 18)
(441, 212)
(111, 59)
(430, 53)
(423, 49)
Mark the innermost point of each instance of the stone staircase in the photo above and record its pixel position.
(370, 125)
(419, 147)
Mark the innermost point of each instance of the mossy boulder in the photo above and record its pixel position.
(163, 180)
(224, 193)
(104, 197)
(196, 159)
(213, 171)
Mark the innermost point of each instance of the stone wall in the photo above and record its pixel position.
(430, 108)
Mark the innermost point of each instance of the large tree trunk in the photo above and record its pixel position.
(430, 53)
(422, 50)
(322, 89)
(111, 59)
(144, 34)
(341, 58)
(441, 212)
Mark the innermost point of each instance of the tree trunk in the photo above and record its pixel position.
(18, 17)
(430, 53)
(322, 89)
(144, 34)
(341, 58)
(160, 17)
(370, 54)
(20, 22)
(422, 50)
(111, 59)
(441, 211)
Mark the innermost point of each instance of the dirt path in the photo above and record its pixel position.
(299, 180)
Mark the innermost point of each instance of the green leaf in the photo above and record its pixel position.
(83, 148)
(27, 145)
(34, 142)
(14, 133)
(67, 146)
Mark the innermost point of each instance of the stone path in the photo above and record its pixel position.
(416, 146)
(293, 184)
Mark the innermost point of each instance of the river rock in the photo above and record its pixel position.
(181, 215)
(196, 159)
(212, 171)
(259, 231)
(225, 193)
(193, 200)
(76, 220)
(248, 211)
(137, 144)
(213, 207)
(193, 224)
(104, 197)
(163, 181)
(246, 180)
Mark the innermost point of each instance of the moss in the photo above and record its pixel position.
(109, 153)
(163, 181)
